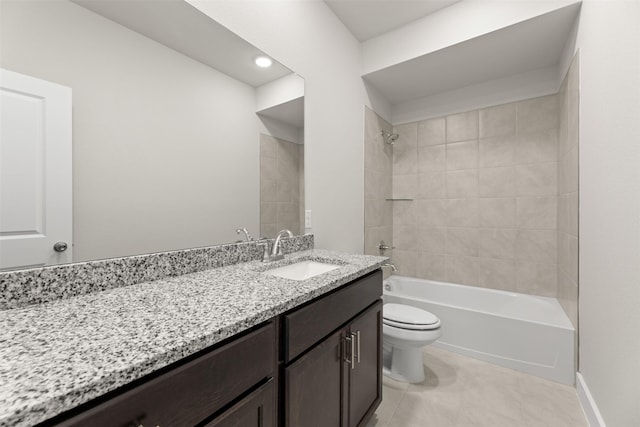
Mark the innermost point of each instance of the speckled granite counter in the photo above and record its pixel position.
(57, 355)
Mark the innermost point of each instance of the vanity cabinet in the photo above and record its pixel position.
(255, 410)
(365, 369)
(333, 375)
(192, 392)
(314, 386)
(317, 365)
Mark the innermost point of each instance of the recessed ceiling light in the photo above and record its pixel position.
(263, 61)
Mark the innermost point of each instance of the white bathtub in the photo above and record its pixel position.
(529, 333)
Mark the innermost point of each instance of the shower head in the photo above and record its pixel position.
(390, 138)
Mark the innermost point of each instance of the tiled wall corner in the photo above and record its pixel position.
(567, 207)
(378, 164)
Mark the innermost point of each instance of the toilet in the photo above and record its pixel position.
(405, 331)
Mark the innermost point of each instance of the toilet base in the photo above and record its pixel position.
(404, 364)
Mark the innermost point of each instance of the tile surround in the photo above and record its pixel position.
(431, 158)
(462, 155)
(498, 121)
(499, 243)
(497, 182)
(431, 132)
(497, 151)
(461, 127)
(462, 183)
(495, 196)
(432, 185)
(497, 212)
(486, 197)
(281, 186)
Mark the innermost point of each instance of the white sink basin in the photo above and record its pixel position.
(302, 270)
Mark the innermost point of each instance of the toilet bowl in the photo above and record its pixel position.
(405, 331)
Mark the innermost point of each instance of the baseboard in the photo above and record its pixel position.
(588, 404)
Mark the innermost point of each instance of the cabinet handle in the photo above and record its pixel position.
(353, 351)
(349, 357)
(358, 345)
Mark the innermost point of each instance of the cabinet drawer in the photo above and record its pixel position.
(308, 325)
(255, 410)
(191, 392)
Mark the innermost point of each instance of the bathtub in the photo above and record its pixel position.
(524, 332)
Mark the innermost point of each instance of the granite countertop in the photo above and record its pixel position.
(57, 355)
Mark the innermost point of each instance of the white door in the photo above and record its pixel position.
(35, 172)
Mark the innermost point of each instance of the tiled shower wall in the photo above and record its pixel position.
(281, 186)
(485, 191)
(378, 164)
(569, 99)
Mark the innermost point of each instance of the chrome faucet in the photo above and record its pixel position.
(247, 236)
(391, 265)
(276, 251)
(383, 247)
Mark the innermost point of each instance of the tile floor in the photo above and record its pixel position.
(464, 392)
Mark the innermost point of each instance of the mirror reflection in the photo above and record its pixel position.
(177, 139)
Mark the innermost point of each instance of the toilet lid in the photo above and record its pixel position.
(408, 317)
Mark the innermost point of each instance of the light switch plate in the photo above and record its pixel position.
(307, 218)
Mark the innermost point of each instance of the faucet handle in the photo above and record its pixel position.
(383, 247)
(265, 251)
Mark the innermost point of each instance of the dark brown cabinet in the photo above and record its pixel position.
(313, 385)
(191, 392)
(317, 365)
(255, 410)
(338, 380)
(365, 373)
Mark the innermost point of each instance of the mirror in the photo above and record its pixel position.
(178, 139)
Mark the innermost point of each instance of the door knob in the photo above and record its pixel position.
(60, 246)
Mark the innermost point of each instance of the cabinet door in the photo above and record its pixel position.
(313, 389)
(191, 392)
(308, 325)
(255, 410)
(365, 379)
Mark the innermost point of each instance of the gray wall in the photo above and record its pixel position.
(314, 43)
(609, 43)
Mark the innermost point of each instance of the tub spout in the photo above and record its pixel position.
(390, 265)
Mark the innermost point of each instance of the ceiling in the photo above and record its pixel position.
(370, 18)
(179, 26)
(529, 45)
(290, 113)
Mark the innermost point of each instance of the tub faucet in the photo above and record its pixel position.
(276, 251)
(391, 265)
